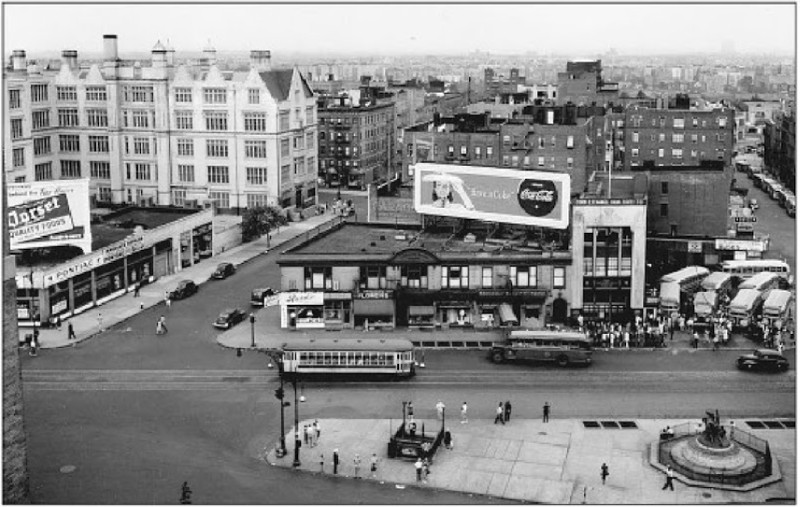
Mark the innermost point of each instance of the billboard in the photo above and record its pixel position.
(49, 213)
(497, 195)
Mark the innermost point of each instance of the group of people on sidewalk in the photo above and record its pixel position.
(639, 333)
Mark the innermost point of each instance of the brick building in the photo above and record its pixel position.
(583, 84)
(779, 147)
(566, 139)
(356, 139)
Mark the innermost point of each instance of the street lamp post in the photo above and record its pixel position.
(252, 330)
(296, 462)
(279, 393)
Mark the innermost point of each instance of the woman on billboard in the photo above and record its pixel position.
(443, 187)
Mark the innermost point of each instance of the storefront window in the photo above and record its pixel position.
(110, 278)
(59, 298)
(27, 304)
(82, 289)
(337, 311)
(140, 266)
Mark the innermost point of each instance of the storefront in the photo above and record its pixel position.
(94, 278)
(421, 316)
(302, 310)
(374, 309)
(338, 310)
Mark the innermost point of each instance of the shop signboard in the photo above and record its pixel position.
(740, 244)
(489, 193)
(44, 214)
(73, 268)
(301, 298)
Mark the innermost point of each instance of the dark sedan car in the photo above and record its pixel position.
(763, 359)
(229, 318)
(184, 289)
(224, 270)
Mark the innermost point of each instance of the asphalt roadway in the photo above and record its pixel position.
(138, 414)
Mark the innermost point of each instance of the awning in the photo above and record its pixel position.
(420, 311)
(506, 313)
(377, 307)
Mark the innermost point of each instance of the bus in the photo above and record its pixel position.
(719, 282)
(742, 167)
(776, 306)
(791, 206)
(687, 281)
(705, 304)
(563, 347)
(391, 357)
(745, 269)
(763, 282)
(773, 189)
(745, 307)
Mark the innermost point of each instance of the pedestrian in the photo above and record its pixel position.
(159, 329)
(440, 408)
(418, 468)
(732, 428)
(507, 413)
(426, 469)
(410, 408)
(305, 434)
(448, 439)
(546, 412)
(604, 472)
(317, 428)
(464, 419)
(670, 476)
(312, 435)
(357, 466)
(58, 322)
(499, 414)
(100, 321)
(33, 352)
(162, 322)
(716, 342)
(71, 332)
(780, 347)
(321, 462)
(136, 287)
(335, 461)
(695, 339)
(373, 465)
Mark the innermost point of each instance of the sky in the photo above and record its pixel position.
(453, 28)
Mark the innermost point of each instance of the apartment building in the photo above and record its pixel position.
(356, 140)
(566, 139)
(779, 146)
(164, 133)
(583, 84)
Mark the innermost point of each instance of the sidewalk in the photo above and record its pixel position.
(126, 306)
(269, 335)
(527, 460)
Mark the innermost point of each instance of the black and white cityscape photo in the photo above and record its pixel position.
(399, 253)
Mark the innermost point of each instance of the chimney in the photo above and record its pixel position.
(110, 48)
(159, 57)
(210, 55)
(260, 59)
(69, 57)
(18, 59)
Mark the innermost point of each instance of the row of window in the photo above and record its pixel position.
(71, 169)
(678, 137)
(452, 277)
(222, 199)
(677, 153)
(370, 119)
(678, 123)
(220, 174)
(40, 119)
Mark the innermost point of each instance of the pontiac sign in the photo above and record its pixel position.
(492, 194)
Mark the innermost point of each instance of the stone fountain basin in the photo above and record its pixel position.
(731, 460)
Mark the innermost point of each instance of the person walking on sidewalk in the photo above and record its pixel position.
(100, 321)
(507, 413)
(136, 288)
(321, 462)
(317, 429)
(546, 412)
(335, 461)
(418, 468)
(670, 476)
(373, 465)
(357, 466)
(33, 352)
(70, 332)
(604, 472)
(448, 439)
(464, 419)
(499, 414)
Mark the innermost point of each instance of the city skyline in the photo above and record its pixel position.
(413, 29)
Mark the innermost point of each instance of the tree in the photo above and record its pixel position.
(261, 220)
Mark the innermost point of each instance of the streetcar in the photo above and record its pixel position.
(348, 357)
(562, 347)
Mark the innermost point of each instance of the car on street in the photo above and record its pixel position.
(258, 296)
(224, 270)
(184, 289)
(763, 359)
(229, 318)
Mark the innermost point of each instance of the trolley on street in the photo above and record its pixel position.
(348, 357)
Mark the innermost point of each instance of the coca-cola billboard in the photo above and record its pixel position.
(493, 194)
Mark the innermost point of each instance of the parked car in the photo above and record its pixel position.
(763, 359)
(224, 270)
(184, 289)
(229, 318)
(258, 296)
